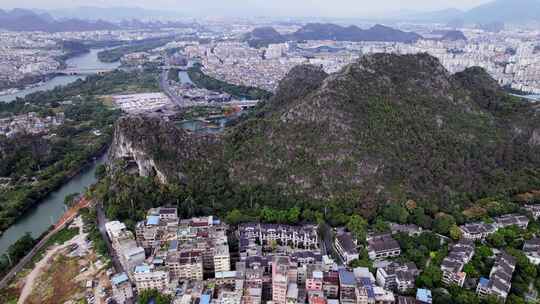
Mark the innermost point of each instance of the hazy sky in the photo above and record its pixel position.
(335, 8)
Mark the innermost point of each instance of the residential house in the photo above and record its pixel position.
(346, 247)
(383, 247)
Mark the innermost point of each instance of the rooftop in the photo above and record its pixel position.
(346, 277)
(119, 278)
(152, 220)
(423, 295)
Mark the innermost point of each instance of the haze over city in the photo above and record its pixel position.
(245, 8)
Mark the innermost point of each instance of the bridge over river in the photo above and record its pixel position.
(84, 71)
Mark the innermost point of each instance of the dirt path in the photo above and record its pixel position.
(34, 274)
(44, 262)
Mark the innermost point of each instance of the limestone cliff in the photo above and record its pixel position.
(159, 148)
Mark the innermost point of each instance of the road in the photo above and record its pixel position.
(68, 217)
(101, 222)
(166, 88)
(114, 258)
(183, 103)
(326, 238)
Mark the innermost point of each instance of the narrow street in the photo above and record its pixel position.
(101, 222)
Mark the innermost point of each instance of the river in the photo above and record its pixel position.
(85, 61)
(39, 219)
(48, 211)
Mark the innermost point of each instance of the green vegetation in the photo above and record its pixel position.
(204, 81)
(126, 197)
(115, 54)
(72, 49)
(154, 296)
(91, 227)
(35, 165)
(58, 238)
(16, 252)
(419, 249)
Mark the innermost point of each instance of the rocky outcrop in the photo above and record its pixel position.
(159, 148)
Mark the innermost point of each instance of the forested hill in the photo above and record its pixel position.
(385, 128)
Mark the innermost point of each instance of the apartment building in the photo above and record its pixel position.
(347, 287)
(185, 265)
(121, 288)
(280, 279)
(147, 277)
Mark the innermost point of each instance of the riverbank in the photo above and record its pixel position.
(40, 194)
(78, 60)
(43, 242)
(26, 83)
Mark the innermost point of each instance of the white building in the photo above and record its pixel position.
(146, 277)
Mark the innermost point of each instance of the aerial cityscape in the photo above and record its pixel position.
(281, 152)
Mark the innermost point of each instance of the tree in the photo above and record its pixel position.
(471, 271)
(381, 225)
(483, 251)
(234, 217)
(420, 218)
(443, 223)
(395, 213)
(455, 232)
(101, 171)
(357, 225)
(146, 297)
(293, 215)
(362, 263)
(497, 239)
(429, 278)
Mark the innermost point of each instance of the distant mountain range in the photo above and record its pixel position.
(507, 11)
(39, 20)
(112, 13)
(27, 20)
(261, 37)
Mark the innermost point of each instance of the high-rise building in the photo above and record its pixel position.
(280, 279)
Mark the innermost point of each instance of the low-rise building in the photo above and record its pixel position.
(346, 247)
(410, 229)
(507, 220)
(452, 265)
(383, 247)
(396, 276)
(500, 278)
(477, 231)
(531, 248)
(534, 210)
